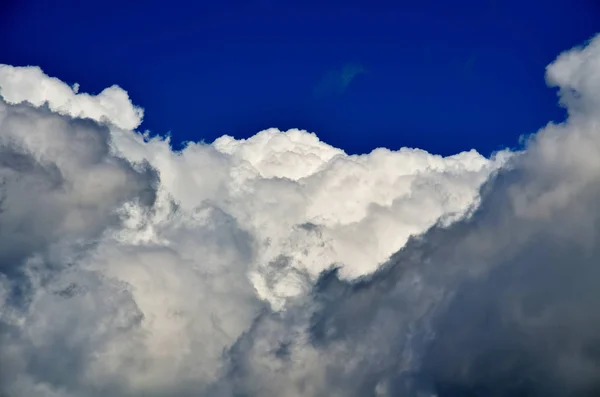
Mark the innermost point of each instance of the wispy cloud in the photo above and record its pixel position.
(337, 81)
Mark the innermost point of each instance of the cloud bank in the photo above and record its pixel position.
(281, 266)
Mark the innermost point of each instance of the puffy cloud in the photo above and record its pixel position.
(90, 304)
(30, 84)
(140, 266)
(310, 206)
(60, 188)
(498, 303)
(128, 268)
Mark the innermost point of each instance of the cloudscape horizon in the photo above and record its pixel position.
(279, 265)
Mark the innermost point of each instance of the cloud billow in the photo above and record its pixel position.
(281, 266)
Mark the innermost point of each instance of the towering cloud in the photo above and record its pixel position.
(281, 266)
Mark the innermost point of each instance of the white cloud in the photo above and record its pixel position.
(503, 302)
(308, 205)
(20, 84)
(150, 304)
(127, 268)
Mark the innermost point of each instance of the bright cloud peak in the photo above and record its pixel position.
(30, 84)
(127, 268)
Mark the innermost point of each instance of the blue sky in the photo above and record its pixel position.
(442, 76)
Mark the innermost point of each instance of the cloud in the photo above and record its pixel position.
(499, 303)
(139, 266)
(20, 84)
(279, 265)
(336, 82)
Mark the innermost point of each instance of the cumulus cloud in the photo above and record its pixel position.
(499, 303)
(281, 266)
(30, 84)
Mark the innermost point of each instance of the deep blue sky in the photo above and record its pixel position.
(441, 75)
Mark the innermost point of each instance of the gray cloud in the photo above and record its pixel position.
(501, 303)
(131, 269)
(242, 268)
